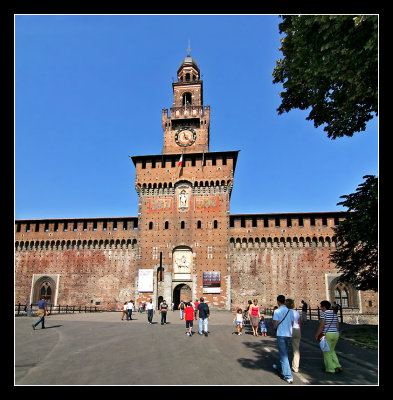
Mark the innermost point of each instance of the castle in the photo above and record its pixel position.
(184, 243)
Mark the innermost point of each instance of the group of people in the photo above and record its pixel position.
(287, 324)
(128, 308)
(286, 321)
(195, 310)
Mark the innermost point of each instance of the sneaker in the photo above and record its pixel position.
(199, 333)
(33, 327)
(205, 333)
(288, 380)
(338, 370)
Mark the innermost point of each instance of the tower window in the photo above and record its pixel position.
(182, 225)
(187, 77)
(166, 224)
(215, 224)
(150, 225)
(187, 98)
(199, 225)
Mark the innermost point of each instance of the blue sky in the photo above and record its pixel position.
(89, 90)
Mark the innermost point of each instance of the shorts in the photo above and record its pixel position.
(189, 324)
(239, 323)
(263, 329)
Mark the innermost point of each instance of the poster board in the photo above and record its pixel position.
(212, 282)
(145, 280)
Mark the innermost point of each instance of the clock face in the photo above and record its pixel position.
(185, 137)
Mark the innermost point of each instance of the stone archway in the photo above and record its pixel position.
(181, 292)
(44, 286)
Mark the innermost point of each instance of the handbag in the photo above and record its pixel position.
(322, 339)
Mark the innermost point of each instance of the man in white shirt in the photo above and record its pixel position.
(150, 311)
(130, 309)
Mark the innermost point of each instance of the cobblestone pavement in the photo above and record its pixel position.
(100, 349)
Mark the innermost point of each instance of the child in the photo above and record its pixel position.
(239, 321)
(263, 326)
(124, 309)
(189, 317)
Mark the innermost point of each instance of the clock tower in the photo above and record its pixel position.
(184, 193)
(186, 129)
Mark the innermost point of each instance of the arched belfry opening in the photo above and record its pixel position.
(187, 99)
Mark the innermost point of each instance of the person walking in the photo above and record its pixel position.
(189, 318)
(163, 312)
(28, 307)
(181, 308)
(304, 311)
(203, 316)
(296, 335)
(330, 327)
(124, 310)
(150, 311)
(42, 309)
(246, 313)
(130, 310)
(239, 321)
(196, 304)
(282, 320)
(254, 316)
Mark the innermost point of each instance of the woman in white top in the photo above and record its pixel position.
(295, 341)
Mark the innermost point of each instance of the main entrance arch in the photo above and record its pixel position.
(181, 292)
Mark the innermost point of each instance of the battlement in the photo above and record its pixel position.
(75, 225)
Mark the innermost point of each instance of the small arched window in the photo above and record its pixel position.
(199, 225)
(150, 225)
(166, 225)
(182, 225)
(215, 224)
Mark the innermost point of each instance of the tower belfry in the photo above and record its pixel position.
(186, 127)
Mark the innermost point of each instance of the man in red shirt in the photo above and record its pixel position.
(196, 304)
(189, 318)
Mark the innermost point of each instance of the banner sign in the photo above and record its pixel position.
(145, 280)
(212, 282)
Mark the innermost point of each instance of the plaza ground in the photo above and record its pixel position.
(100, 349)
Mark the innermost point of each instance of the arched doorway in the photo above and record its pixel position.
(181, 292)
(159, 301)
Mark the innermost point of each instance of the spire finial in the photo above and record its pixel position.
(188, 50)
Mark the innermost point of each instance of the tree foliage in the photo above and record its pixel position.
(356, 254)
(330, 65)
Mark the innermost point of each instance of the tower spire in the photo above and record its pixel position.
(189, 50)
